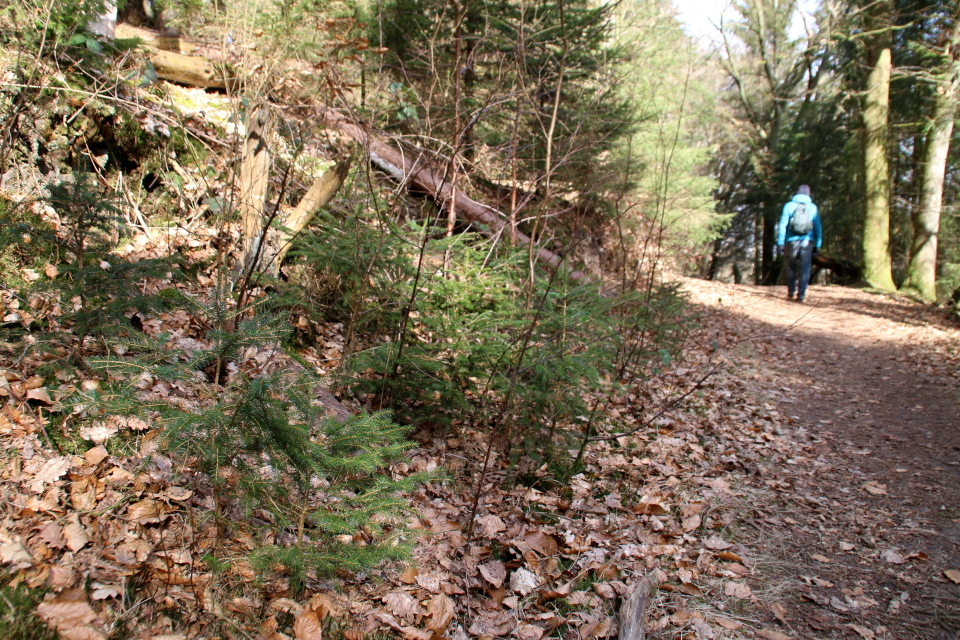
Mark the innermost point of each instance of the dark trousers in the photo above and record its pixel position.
(798, 253)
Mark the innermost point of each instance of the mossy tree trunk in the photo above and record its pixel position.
(922, 269)
(876, 104)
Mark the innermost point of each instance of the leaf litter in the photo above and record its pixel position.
(678, 501)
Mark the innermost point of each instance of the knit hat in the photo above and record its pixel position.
(804, 190)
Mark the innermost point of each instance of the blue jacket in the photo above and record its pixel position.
(788, 236)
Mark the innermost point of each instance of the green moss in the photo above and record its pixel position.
(17, 617)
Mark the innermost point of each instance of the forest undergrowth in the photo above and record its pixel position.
(118, 533)
(275, 369)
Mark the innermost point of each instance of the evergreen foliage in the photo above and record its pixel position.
(512, 58)
(261, 446)
(466, 347)
(99, 289)
(673, 95)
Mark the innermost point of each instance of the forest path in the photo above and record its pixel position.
(863, 526)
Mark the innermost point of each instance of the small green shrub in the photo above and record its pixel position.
(99, 289)
(259, 445)
(463, 348)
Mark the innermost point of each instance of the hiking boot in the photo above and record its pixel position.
(789, 296)
(800, 300)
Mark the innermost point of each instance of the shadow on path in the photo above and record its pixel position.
(867, 512)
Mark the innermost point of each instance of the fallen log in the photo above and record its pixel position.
(168, 55)
(415, 169)
(268, 247)
(319, 196)
(846, 270)
(633, 611)
(163, 41)
(192, 71)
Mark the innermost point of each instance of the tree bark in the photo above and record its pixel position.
(192, 71)
(106, 23)
(254, 177)
(156, 40)
(319, 195)
(877, 268)
(922, 269)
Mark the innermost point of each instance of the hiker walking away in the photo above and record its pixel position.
(799, 238)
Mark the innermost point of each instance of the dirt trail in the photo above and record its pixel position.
(865, 518)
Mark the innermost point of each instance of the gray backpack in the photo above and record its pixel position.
(801, 222)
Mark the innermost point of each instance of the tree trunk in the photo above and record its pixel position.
(769, 241)
(922, 269)
(106, 23)
(319, 195)
(193, 71)
(715, 259)
(254, 177)
(876, 214)
(156, 40)
(758, 246)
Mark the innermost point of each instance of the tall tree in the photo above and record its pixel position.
(877, 268)
(766, 67)
(922, 269)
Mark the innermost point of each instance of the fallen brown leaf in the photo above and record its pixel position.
(737, 590)
(770, 634)
(96, 455)
(412, 633)
(692, 523)
(307, 626)
(779, 612)
(892, 557)
(493, 572)
(40, 395)
(491, 525)
(146, 511)
(729, 556)
(402, 604)
(323, 605)
(604, 590)
(60, 577)
(523, 581)
(14, 553)
(67, 612)
(875, 488)
(953, 574)
(727, 623)
(542, 543)
(865, 633)
(75, 534)
(409, 575)
(441, 611)
(50, 472)
(595, 629)
(690, 589)
(606, 572)
(98, 432)
(529, 632)
(432, 581)
(716, 543)
(493, 623)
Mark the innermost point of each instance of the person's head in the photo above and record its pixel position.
(804, 190)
